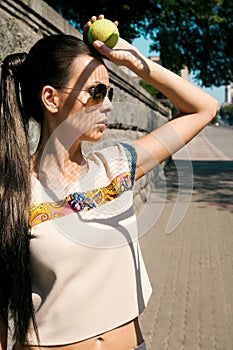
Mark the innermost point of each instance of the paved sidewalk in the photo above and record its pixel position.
(191, 269)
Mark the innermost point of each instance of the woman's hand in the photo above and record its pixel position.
(123, 53)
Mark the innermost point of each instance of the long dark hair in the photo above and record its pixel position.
(23, 77)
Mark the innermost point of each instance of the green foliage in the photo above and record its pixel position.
(215, 120)
(226, 111)
(193, 33)
(130, 14)
(159, 96)
(196, 34)
(149, 88)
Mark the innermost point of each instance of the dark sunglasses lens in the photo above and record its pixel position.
(100, 92)
(110, 94)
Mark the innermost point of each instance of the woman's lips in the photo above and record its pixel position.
(102, 122)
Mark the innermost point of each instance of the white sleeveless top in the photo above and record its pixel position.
(88, 275)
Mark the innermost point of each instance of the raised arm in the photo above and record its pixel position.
(196, 107)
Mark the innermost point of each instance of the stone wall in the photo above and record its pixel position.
(23, 22)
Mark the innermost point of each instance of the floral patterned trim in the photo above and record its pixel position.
(131, 155)
(77, 201)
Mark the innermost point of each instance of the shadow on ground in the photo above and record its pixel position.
(213, 181)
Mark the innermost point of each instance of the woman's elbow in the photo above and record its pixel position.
(211, 108)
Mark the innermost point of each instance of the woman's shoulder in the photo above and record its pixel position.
(113, 151)
(113, 160)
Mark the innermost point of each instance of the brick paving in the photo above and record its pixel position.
(191, 269)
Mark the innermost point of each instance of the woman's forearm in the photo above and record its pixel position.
(196, 108)
(188, 98)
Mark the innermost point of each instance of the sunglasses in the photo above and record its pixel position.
(98, 92)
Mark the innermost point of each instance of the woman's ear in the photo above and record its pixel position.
(50, 98)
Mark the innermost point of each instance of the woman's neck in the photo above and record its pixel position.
(54, 165)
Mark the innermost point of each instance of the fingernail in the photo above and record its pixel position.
(98, 43)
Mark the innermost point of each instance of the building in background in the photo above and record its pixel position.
(229, 93)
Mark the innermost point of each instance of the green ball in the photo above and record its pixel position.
(105, 31)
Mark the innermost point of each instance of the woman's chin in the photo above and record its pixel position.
(94, 135)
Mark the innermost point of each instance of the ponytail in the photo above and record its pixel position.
(15, 281)
(43, 65)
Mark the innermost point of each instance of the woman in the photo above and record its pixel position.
(72, 275)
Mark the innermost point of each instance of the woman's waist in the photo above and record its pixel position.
(125, 337)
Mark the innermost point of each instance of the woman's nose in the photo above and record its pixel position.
(106, 106)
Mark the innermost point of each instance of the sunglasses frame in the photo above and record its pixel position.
(93, 91)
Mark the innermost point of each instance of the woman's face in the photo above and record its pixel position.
(77, 102)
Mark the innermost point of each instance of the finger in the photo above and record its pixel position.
(87, 26)
(93, 19)
(101, 47)
(101, 16)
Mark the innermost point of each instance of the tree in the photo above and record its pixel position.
(226, 112)
(197, 34)
(193, 33)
